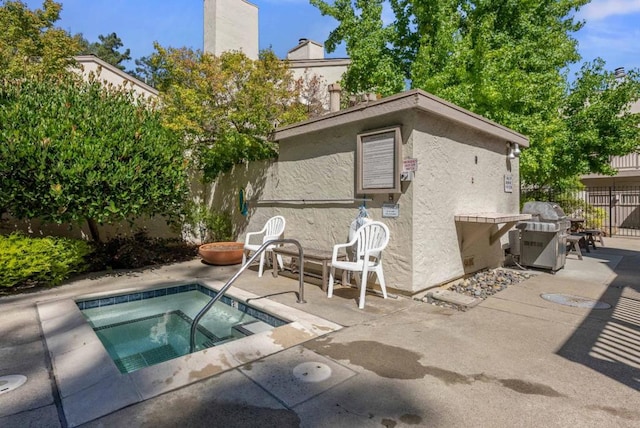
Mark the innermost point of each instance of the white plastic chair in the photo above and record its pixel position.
(369, 241)
(273, 229)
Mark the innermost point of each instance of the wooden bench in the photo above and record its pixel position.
(574, 242)
(594, 235)
(312, 254)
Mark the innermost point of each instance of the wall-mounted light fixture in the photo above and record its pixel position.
(513, 150)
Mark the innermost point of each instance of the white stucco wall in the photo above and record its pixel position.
(331, 70)
(307, 49)
(450, 182)
(231, 25)
(316, 167)
(109, 74)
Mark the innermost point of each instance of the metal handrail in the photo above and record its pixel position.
(263, 247)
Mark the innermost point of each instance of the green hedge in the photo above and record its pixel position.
(44, 260)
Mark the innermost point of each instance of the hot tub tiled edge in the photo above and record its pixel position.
(91, 386)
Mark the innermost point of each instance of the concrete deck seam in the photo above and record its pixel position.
(534, 318)
(57, 399)
(560, 308)
(260, 386)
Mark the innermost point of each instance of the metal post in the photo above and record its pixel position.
(610, 211)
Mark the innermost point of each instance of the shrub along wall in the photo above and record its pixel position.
(40, 260)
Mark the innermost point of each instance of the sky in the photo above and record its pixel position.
(612, 29)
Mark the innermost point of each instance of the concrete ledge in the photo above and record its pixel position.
(454, 298)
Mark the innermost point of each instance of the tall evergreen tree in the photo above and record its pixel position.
(107, 49)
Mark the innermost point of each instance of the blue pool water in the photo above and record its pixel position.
(142, 329)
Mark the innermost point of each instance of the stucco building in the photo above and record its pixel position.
(110, 74)
(231, 25)
(306, 61)
(448, 220)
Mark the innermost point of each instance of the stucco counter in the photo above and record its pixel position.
(490, 219)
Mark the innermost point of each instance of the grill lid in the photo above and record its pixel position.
(538, 226)
(544, 211)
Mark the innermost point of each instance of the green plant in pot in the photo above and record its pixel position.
(216, 229)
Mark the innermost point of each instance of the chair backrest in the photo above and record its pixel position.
(274, 227)
(372, 236)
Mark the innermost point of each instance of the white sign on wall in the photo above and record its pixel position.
(508, 183)
(390, 210)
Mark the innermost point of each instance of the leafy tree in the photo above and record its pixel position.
(504, 60)
(107, 49)
(30, 45)
(72, 151)
(598, 120)
(313, 93)
(225, 106)
(373, 65)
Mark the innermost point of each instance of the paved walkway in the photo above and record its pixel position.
(514, 360)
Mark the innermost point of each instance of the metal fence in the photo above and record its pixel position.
(613, 209)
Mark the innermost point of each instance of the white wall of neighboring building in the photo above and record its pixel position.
(231, 25)
(110, 74)
(306, 62)
(329, 70)
(306, 49)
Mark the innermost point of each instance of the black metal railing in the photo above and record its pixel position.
(613, 209)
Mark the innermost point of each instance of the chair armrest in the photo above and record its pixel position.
(248, 236)
(336, 248)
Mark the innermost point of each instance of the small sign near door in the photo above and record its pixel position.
(508, 183)
(410, 164)
(390, 210)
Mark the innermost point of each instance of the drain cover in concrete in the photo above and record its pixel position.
(312, 372)
(11, 382)
(283, 374)
(575, 301)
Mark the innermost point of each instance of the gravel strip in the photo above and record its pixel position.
(482, 285)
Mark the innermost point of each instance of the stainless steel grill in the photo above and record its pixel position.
(543, 239)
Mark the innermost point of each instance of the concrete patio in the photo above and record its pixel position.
(513, 360)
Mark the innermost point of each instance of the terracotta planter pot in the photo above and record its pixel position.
(221, 253)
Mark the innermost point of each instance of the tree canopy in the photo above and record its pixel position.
(505, 60)
(226, 106)
(30, 44)
(72, 151)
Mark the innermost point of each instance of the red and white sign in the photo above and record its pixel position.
(410, 164)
